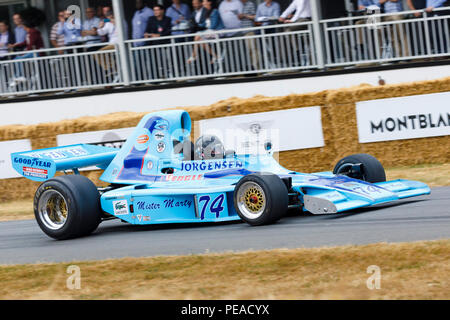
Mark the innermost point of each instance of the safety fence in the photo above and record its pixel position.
(349, 41)
(386, 37)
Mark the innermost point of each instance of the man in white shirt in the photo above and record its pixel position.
(107, 61)
(302, 10)
(229, 11)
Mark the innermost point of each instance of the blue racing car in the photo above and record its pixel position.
(160, 176)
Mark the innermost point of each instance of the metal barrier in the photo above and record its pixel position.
(347, 41)
(45, 71)
(223, 53)
(386, 37)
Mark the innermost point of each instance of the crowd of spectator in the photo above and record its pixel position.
(99, 31)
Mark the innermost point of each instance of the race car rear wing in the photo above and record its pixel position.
(41, 165)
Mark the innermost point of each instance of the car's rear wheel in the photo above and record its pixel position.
(361, 166)
(261, 198)
(67, 207)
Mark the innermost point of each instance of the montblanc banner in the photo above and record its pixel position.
(410, 117)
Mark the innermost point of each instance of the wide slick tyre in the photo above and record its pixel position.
(67, 207)
(261, 198)
(371, 168)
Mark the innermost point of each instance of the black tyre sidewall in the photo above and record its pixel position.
(276, 194)
(83, 202)
(372, 167)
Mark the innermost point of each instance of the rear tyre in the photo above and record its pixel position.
(261, 198)
(371, 170)
(67, 207)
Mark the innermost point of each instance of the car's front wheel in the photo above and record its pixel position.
(261, 198)
(67, 207)
(361, 166)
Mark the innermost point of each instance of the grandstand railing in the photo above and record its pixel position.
(378, 38)
(45, 70)
(223, 53)
(346, 41)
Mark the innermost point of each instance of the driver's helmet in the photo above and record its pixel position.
(209, 147)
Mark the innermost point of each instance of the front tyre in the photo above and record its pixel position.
(261, 198)
(361, 166)
(67, 207)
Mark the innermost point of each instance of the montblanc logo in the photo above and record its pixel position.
(410, 122)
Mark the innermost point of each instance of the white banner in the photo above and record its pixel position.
(109, 138)
(410, 117)
(289, 129)
(6, 148)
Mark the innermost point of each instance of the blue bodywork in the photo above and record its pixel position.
(193, 191)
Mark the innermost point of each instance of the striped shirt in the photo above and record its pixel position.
(55, 36)
(250, 9)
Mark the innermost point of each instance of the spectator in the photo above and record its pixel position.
(33, 41)
(20, 33)
(433, 4)
(158, 26)
(302, 10)
(70, 28)
(266, 10)
(440, 38)
(363, 5)
(139, 22)
(198, 16)
(7, 39)
(401, 44)
(212, 22)
(417, 5)
(107, 61)
(247, 18)
(105, 11)
(248, 14)
(90, 27)
(229, 13)
(180, 15)
(57, 40)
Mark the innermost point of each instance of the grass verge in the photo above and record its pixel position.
(419, 270)
(434, 175)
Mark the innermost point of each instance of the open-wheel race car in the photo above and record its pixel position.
(159, 176)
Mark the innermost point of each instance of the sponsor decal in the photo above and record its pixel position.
(149, 165)
(35, 162)
(60, 153)
(139, 216)
(120, 207)
(35, 172)
(143, 205)
(161, 147)
(171, 203)
(143, 139)
(159, 135)
(410, 122)
(146, 218)
(174, 178)
(211, 165)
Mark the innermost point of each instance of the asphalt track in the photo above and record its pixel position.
(420, 218)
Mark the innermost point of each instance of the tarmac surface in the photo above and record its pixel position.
(414, 219)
